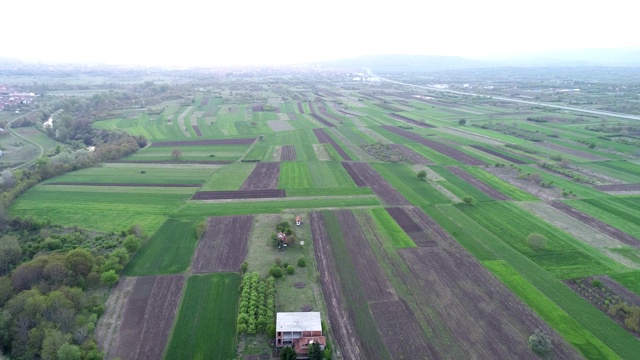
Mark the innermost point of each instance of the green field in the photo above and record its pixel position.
(205, 327)
(405, 180)
(620, 212)
(168, 251)
(229, 177)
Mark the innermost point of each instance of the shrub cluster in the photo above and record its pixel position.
(257, 305)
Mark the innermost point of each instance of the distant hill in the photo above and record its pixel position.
(404, 63)
(628, 56)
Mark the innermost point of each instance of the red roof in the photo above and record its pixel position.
(301, 345)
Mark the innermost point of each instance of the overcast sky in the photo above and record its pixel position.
(241, 32)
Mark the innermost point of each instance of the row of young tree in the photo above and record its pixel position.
(257, 305)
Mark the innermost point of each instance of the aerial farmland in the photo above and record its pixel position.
(433, 224)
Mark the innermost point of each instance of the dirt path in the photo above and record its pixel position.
(108, 327)
(183, 128)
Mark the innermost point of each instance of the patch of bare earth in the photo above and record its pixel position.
(597, 224)
(497, 154)
(223, 246)
(288, 153)
(108, 326)
(619, 188)
(342, 324)
(365, 174)
(411, 155)
(470, 136)
(485, 188)
(149, 316)
(264, 176)
(183, 128)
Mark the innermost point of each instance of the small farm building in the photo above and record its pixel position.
(299, 330)
(298, 219)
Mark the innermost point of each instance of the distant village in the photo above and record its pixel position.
(11, 99)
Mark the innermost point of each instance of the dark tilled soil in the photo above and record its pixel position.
(300, 108)
(239, 194)
(205, 101)
(485, 188)
(149, 316)
(204, 142)
(378, 184)
(324, 138)
(325, 112)
(354, 176)
(410, 121)
(288, 153)
(497, 154)
(223, 246)
(292, 116)
(321, 119)
(196, 129)
(264, 176)
(403, 219)
(439, 147)
(257, 108)
(596, 224)
(311, 109)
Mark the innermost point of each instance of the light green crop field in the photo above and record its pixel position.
(205, 327)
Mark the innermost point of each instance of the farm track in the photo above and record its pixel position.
(485, 188)
(239, 194)
(149, 315)
(324, 138)
(183, 128)
(224, 245)
(365, 174)
(288, 153)
(500, 155)
(120, 184)
(342, 323)
(410, 121)
(245, 141)
(597, 224)
(439, 147)
(264, 176)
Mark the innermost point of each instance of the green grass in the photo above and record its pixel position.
(206, 324)
(329, 174)
(564, 256)
(294, 175)
(579, 190)
(459, 187)
(229, 177)
(168, 251)
(571, 330)
(405, 180)
(130, 173)
(202, 153)
(630, 280)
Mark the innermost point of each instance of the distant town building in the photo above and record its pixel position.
(299, 330)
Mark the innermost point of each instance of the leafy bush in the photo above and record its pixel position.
(540, 342)
(291, 270)
(302, 262)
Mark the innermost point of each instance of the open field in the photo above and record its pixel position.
(400, 267)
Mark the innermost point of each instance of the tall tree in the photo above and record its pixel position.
(315, 353)
(287, 353)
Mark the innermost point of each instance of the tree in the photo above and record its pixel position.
(176, 153)
(468, 199)
(287, 353)
(109, 278)
(69, 352)
(291, 270)
(10, 253)
(276, 272)
(80, 262)
(462, 122)
(302, 262)
(422, 175)
(315, 353)
(537, 241)
(540, 342)
(131, 243)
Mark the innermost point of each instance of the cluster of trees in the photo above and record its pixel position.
(257, 305)
(279, 268)
(52, 281)
(314, 351)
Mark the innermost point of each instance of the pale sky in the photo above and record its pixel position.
(243, 32)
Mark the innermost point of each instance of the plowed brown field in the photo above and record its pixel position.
(223, 246)
(264, 176)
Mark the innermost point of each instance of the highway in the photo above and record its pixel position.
(596, 112)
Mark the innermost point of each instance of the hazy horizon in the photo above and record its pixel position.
(283, 32)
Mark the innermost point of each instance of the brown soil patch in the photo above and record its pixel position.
(223, 246)
(300, 108)
(324, 138)
(108, 326)
(264, 176)
(323, 110)
(497, 154)
(365, 174)
(288, 153)
(292, 116)
(410, 121)
(183, 128)
(196, 129)
(149, 316)
(485, 188)
(570, 151)
(321, 119)
(439, 147)
(511, 176)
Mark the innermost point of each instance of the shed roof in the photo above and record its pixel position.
(298, 321)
